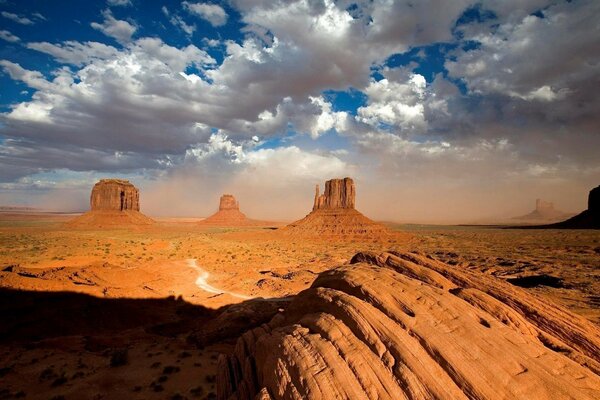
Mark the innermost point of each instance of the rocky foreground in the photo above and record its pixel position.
(404, 326)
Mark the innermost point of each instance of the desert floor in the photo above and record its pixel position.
(144, 313)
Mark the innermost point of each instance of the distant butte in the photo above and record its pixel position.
(544, 212)
(334, 214)
(113, 202)
(229, 214)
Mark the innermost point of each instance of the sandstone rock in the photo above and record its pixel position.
(404, 326)
(115, 194)
(113, 202)
(594, 200)
(339, 193)
(229, 214)
(334, 214)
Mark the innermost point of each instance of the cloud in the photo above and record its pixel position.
(17, 18)
(212, 13)
(9, 37)
(178, 22)
(117, 29)
(116, 3)
(75, 53)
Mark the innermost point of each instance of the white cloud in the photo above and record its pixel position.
(178, 22)
(212, 13)
(76, 53)
(17, 18)
(398, 102)
(121, 3)
(9, 37)
(117, 29)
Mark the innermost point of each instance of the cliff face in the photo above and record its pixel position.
(594, 200)
(334, 214)
(113, 202)
(229, 214)
(339, 193)
(228, 202)
(404, 326)
(116, 195)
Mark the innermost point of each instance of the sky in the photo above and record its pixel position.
(442, 112)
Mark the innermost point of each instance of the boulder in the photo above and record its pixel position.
(405, 326)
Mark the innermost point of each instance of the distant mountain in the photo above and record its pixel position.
(544, 212)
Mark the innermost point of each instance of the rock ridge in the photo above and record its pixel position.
(400, 325)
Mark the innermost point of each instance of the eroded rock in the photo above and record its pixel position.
(334, 214)
(404, 326)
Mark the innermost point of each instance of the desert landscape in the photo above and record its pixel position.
(299, 199)
(113, 304)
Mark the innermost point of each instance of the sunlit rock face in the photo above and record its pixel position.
(334, 214)
(339, 193)
(116, 195)
(113, 203)
(400, 325)
(228, 202)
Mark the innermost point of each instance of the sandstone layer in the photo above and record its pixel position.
(404, 326)
(334, 214)
(588, 219)
(229, 214)
(113, 202)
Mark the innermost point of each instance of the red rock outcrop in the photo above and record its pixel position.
(334, 214)
(114, 194)
(404, 326)
(113, 202)
(229, 214)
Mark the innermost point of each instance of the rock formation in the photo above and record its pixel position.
(113, 202)
(116, 195)
(334, 214)
(404, 326)
(544, 212)
(229, 214)
(588, 219)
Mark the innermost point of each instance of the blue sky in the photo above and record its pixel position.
(270, 96)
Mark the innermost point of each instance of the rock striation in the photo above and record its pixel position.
(588, 219)
(113, 202)
(544, 212)
(334, 214)
(401, 325)
(229, 214)
(116, 195)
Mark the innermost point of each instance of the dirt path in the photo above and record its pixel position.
(202, 283)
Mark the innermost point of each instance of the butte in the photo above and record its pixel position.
(334, 214)
(229, 214)
(113, 202)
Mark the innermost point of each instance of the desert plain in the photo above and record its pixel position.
(144, 312)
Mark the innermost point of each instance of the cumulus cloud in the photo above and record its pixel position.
(212, 13)
(9, 37)
(118, 29)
